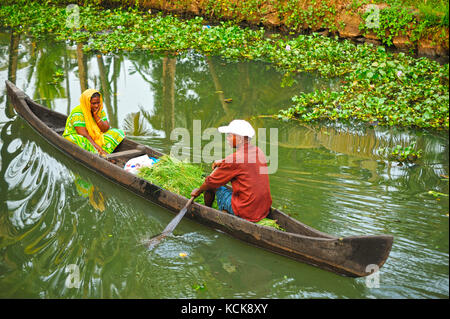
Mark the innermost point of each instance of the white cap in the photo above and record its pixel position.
(238, 127)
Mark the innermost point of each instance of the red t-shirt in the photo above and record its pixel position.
(247, 171)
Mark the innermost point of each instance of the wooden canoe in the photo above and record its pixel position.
(353, 256)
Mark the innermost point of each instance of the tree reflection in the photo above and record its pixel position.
(13, 60)
(135, 125)
(82, 67)
(106, 90)
(50, 62)
(194, 87)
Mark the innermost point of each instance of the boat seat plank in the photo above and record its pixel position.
(128, 153)
(59, 130)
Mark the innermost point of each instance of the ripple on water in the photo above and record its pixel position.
(32, 177)
(36, 197)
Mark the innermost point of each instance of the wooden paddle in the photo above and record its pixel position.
(154, 241)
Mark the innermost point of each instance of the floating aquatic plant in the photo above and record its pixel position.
(377, 86)
(407, 154)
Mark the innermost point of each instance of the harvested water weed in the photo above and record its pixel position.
(176, 176)
(181, 178)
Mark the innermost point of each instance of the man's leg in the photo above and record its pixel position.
(224, 199)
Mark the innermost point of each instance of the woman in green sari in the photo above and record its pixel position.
(88, 127)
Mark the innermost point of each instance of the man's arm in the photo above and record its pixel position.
(222, 174)
(196, 192)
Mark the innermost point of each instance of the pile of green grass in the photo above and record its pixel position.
(176, 176)
(181, 178)
(270, 223)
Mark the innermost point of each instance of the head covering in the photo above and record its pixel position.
(92, 127)
(238, 127)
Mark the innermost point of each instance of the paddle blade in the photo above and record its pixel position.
(154, 241)
(174, 222)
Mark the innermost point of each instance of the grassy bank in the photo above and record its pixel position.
(378, 86)
(419, 26)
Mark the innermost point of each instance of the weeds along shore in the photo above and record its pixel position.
(377, 86)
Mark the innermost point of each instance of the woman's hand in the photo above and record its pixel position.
(99, 149)
(102, 125)
(95, 115)
(95, 109)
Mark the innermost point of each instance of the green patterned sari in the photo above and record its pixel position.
(112, 137)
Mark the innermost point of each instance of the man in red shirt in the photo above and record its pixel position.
(247, 171)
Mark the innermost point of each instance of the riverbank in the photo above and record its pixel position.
(417, 27)
(391, 23)
(379, 87)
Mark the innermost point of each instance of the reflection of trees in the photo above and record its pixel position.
(13, 60)
(198, 87)
(219, 90)
(106, 90)
(163, 117)
(50, 59)
(135, 124)
(66, 75)
(82, 67)
(41, 63)
(13, 57)
(168, 93)
(363, 146)
(104, 68)
(109, 72)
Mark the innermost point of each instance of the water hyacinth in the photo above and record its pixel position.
(377, 86)
(174, 175)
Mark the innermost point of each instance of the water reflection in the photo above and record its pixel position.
(87, 190)
(177, 90)
(333, 177)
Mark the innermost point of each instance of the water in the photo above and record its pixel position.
(61, 224)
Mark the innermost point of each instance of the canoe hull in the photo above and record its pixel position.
(353, 256)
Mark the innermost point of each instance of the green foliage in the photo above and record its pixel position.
(58, 76)
(383, 89)
(377, 86)
(174, 175)
(270, 223)
(393, 21)
(312, 14)
(405, 154)
(415, 21)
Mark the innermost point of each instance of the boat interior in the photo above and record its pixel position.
(128, 149)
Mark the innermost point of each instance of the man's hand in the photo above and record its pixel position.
(216, 163)
(196, 192)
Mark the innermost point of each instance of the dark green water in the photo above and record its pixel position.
(56, 214)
